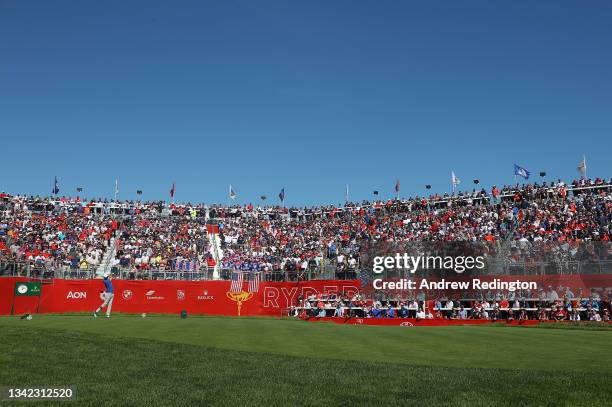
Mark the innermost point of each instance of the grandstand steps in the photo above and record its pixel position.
(217, 253)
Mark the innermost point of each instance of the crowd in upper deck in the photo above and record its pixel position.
(77, 232)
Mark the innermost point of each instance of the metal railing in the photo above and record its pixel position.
(549, 268)
(28, 269)
(330, 272)
(37, 270)
(501, 267)
(205, 274)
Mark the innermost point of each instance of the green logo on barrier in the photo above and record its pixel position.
(31, 289)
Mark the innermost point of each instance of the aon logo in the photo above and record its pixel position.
(77, 294)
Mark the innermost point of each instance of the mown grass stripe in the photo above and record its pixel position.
(129, 371)
(487, 347)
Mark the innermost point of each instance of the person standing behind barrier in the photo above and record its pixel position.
(339, 312)
(421, 299)
(108, 296)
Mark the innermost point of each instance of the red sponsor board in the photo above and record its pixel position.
(215, 298)
(196, 297)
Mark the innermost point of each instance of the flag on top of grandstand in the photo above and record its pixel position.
(582, 167)
(172, 191)
(116, 187)
(237, 279)
(232, 193)
(55, 190)
(346, 194)
(397, 186)
(454, 180)
(254, 282)
(518, 170)
(281, 195)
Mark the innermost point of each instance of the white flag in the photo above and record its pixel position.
(116, 188)
(454, 180)
(582, 167)
(232, 193)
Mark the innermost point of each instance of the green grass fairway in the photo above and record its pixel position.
(163, 360)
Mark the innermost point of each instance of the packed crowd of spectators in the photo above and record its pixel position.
(163, 243)
(547, 304)
(153, 236)
(32, 230)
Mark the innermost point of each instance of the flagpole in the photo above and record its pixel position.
(454, 182)
(397, 189)
(346, 197)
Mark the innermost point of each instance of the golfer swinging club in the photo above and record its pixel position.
(107, 296)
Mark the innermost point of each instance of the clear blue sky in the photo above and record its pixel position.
(308, 96)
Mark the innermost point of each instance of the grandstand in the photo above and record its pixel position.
(543, 230)
(76, 234)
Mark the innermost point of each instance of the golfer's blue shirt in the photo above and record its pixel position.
(108, 285)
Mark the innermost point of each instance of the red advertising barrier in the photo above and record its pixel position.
(215, 297)
(196, 297)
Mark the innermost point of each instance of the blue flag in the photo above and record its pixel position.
(518, 170)
(281, 195)
(55, 190)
